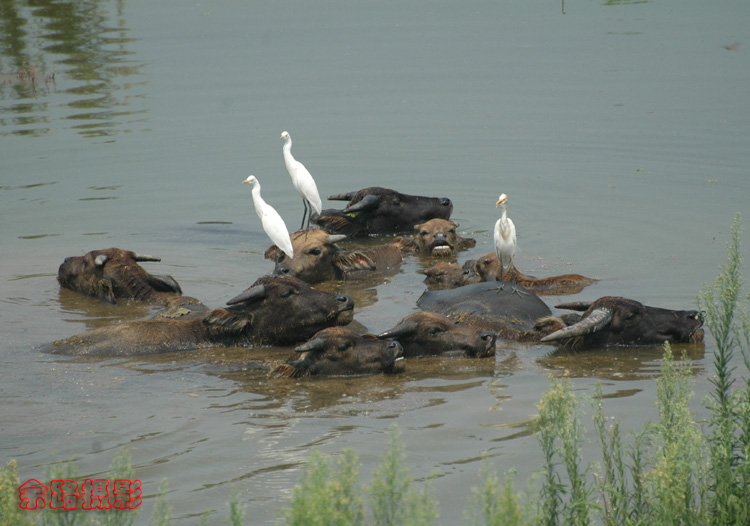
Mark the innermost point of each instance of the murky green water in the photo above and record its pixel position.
(619, 130)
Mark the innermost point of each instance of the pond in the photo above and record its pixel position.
(618, 129)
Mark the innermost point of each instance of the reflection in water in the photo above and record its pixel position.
(620, 363)
(48, 44)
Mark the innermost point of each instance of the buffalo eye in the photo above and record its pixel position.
(435, 331)
(452, 231)
(288, 292)
(314, 251)
(423, 233)
(397, 202)
(344, 347)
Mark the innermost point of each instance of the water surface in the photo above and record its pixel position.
(619, 130)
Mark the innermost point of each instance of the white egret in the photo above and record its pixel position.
(302, 181)
(505, 237)
(271, 220)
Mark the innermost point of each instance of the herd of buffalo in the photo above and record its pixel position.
(465, 310)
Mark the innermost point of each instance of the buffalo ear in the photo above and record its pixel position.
(163, 283)
(295, 369)
(368, 202)
(105, 291)
(254, 293)
(468, 242)
(349, 261)
(405, 244)
(273, 253)
(338, 222)
(223, 319)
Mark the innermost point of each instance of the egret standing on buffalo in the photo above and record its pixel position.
(505, 237)
(271, 220)
(302, 181)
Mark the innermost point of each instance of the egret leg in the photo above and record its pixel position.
(304, 214)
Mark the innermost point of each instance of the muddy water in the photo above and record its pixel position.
(619, 130)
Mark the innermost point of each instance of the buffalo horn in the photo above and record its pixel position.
(367, 202)
(402, 329)
(575, 305)
(593, 322)
(335, 238)
(145, 257)
(253, 293)
(342, 197)
(314, 345)
(100, 260)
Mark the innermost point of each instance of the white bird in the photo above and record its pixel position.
(505, 237)
(302, 180)
(271, 220)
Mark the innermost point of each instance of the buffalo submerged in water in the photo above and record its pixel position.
(515, 313)
(276, 310)
(378, 211)
(113, 274)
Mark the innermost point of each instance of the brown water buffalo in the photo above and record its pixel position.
(613, 320)
(338, 351)
(317, 258)
(488, 269)
(378, 211)
(113, 274)
(436, 237)
(429, 333)
(276, 310)
(446, 275)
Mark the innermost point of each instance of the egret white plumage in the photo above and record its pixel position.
(505, 237)
(272, 222)
(302, 180)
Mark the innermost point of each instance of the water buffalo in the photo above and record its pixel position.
(614, 320)
(338, 351)
(378, 211)
(276, 310)
(436, 237)
(508, 310)
(446, 275)
(488, 269)
(429, 333)
(317, 258)
(113, 274)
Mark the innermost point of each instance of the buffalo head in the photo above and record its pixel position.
(113, 274)
(614, 320)
(317, 258)
(436, 237)
(337, 351)
(429, 333)
(376, 211)
(446, 275)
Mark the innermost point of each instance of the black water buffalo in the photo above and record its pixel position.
(508, 310)
(446, 275)
(378, 211)
(487, 268)
(113, 274)
(429, 333)
(338, 351)
(613, 320)
(436, 237)
(276, 310)
(317, 258)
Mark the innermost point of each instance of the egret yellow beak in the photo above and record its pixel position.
(501, 200)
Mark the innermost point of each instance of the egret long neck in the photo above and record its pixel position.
(258, 201)
(287, 149)
(504, 226)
